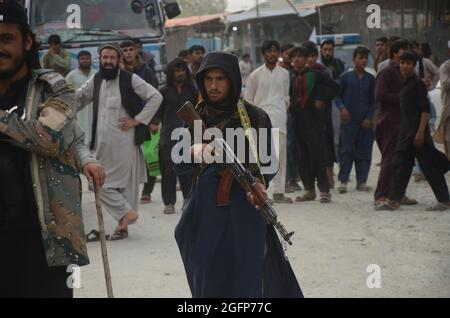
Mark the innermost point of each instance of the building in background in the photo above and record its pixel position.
(207, 30)
(281, 20)
(423, 20)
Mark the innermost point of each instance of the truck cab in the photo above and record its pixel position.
(345, 44)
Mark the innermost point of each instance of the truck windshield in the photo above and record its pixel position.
(97, 20)
(345, 54)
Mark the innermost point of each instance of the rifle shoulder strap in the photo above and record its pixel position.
(246, 124)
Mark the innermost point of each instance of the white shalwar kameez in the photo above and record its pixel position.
(115, 149)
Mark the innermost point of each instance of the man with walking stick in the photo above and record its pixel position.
(40, 154)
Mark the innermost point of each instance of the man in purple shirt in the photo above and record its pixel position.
(415, 142)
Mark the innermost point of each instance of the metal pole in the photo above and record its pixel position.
(402, 17)
(320, 19)
(293, 7)
(254, 29)
(257, 9)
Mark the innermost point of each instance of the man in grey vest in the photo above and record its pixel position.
(123, 105)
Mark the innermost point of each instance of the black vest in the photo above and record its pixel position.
(132, 103)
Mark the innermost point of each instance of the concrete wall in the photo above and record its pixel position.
(421, 20)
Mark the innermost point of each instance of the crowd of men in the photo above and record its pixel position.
(324, 114)
(329, 112)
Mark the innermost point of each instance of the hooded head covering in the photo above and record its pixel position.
(230, 65)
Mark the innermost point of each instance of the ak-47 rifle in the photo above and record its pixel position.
(242, 175)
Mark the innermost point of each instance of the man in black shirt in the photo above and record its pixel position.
(15, 193)
(415, 142)
(180, 88)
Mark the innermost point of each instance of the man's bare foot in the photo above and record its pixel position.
(408, 201)
(379, 201)
(388, 205)
(130, 218)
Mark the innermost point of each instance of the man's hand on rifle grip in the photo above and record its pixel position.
(251, 198)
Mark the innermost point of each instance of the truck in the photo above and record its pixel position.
(345, 44)
(86, 24)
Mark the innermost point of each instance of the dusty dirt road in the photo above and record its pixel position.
(333, 247)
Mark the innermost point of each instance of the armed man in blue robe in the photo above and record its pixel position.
(227, 248)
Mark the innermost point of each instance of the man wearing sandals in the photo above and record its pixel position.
(114, 134)
(268, 88)
(415, 142)
(357, 105)
(311, 90)
(387, 97)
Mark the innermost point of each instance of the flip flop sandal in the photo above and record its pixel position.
(439, 207)
(408, 201)
(145, 199)
(386, 206)
(342, 189)
(94, 236)
(325, 198)
(304, 198)
(119, 235)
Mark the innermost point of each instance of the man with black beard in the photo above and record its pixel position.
(41, 226)
(334, 67)
(115, 133)
(180, 88)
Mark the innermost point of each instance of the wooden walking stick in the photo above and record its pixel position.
(101, 225)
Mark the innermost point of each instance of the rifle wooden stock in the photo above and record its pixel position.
(189, 115)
